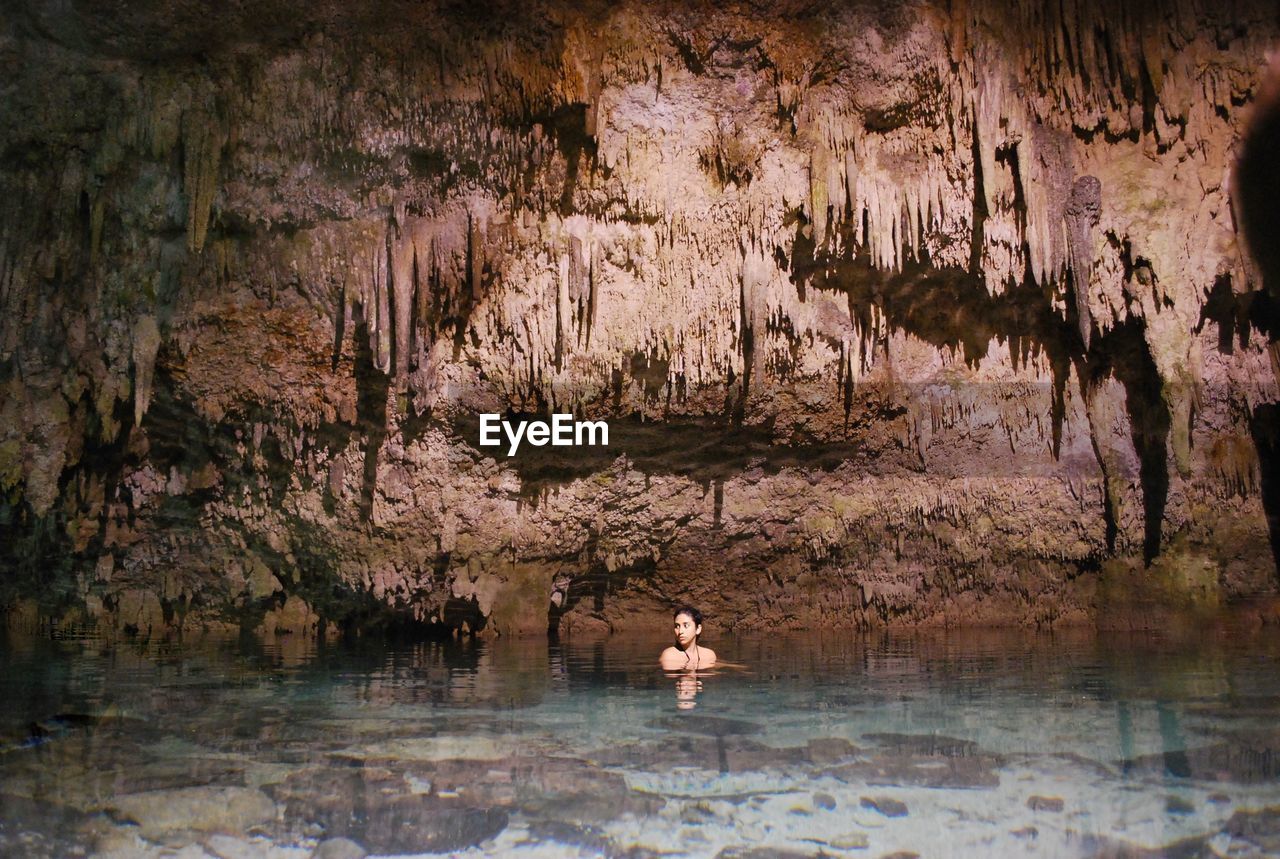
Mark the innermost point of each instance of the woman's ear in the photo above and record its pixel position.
(698, 630)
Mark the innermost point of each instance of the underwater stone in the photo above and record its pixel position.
(206, 809)
(338, 848)
(888, 806)
(1045, 803)
(1260, 828)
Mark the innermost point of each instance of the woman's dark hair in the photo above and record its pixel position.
(689, 610)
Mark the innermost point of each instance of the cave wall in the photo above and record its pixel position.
(933, 313)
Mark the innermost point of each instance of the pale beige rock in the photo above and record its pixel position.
(338, 848)
(204, 809)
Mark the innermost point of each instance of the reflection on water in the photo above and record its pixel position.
(687, 688)
(965, 745)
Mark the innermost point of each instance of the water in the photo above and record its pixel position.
(937, 745)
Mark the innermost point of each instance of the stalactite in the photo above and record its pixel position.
(1082, 215)
(590, 313)
(146, 343)
(819, 194)
(202, 139)
(402, 286)
(562, 310)
(475, 257)
(379, 307)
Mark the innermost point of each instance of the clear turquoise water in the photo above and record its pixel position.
(938, 745)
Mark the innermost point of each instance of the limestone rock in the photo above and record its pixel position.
(922, 314)
(203, 809)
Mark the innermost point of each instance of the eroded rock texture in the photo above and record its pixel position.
(922, 313)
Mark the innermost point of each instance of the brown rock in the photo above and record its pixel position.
(888, 806)
(245, 314)
(338, 848)
(1045, 803)
(204, 809)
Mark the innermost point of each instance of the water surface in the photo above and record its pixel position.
(937, 745)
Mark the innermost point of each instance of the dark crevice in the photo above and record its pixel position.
(339, 330)
(652, 372)
(372, 386)
(1256, 187)
(977, 238)
(568, 126)
(415, 316)
(947, 308)
(1124, 353)
(1150, 100)
(594, 587)
(748, 341)
(37, 555)
(1264, 425)
(1237, 315)
(392, 304)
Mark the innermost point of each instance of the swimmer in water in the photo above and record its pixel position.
(687, 654)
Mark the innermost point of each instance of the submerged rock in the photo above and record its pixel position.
(825, 750)
(1259, 829)
(38, 829)
(931, 745)
(455, 802)
(1045, 803)
(375, 807)
(888, 806)
(710, 726)
(725, 754)
(850, 841)
(744, 852)
(976, 771)
(204, 809)
(921, 760)
(338, 848)
(1244, 757)
(419, 825)
(585, 838)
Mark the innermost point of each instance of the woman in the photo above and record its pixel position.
(687, 654)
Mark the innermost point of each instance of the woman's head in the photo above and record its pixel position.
(688, 625)
(693, 613)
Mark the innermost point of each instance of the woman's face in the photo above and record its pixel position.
(686, 630)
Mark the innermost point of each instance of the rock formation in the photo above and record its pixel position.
(931, 313)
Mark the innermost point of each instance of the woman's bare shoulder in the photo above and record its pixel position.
(673, 657)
